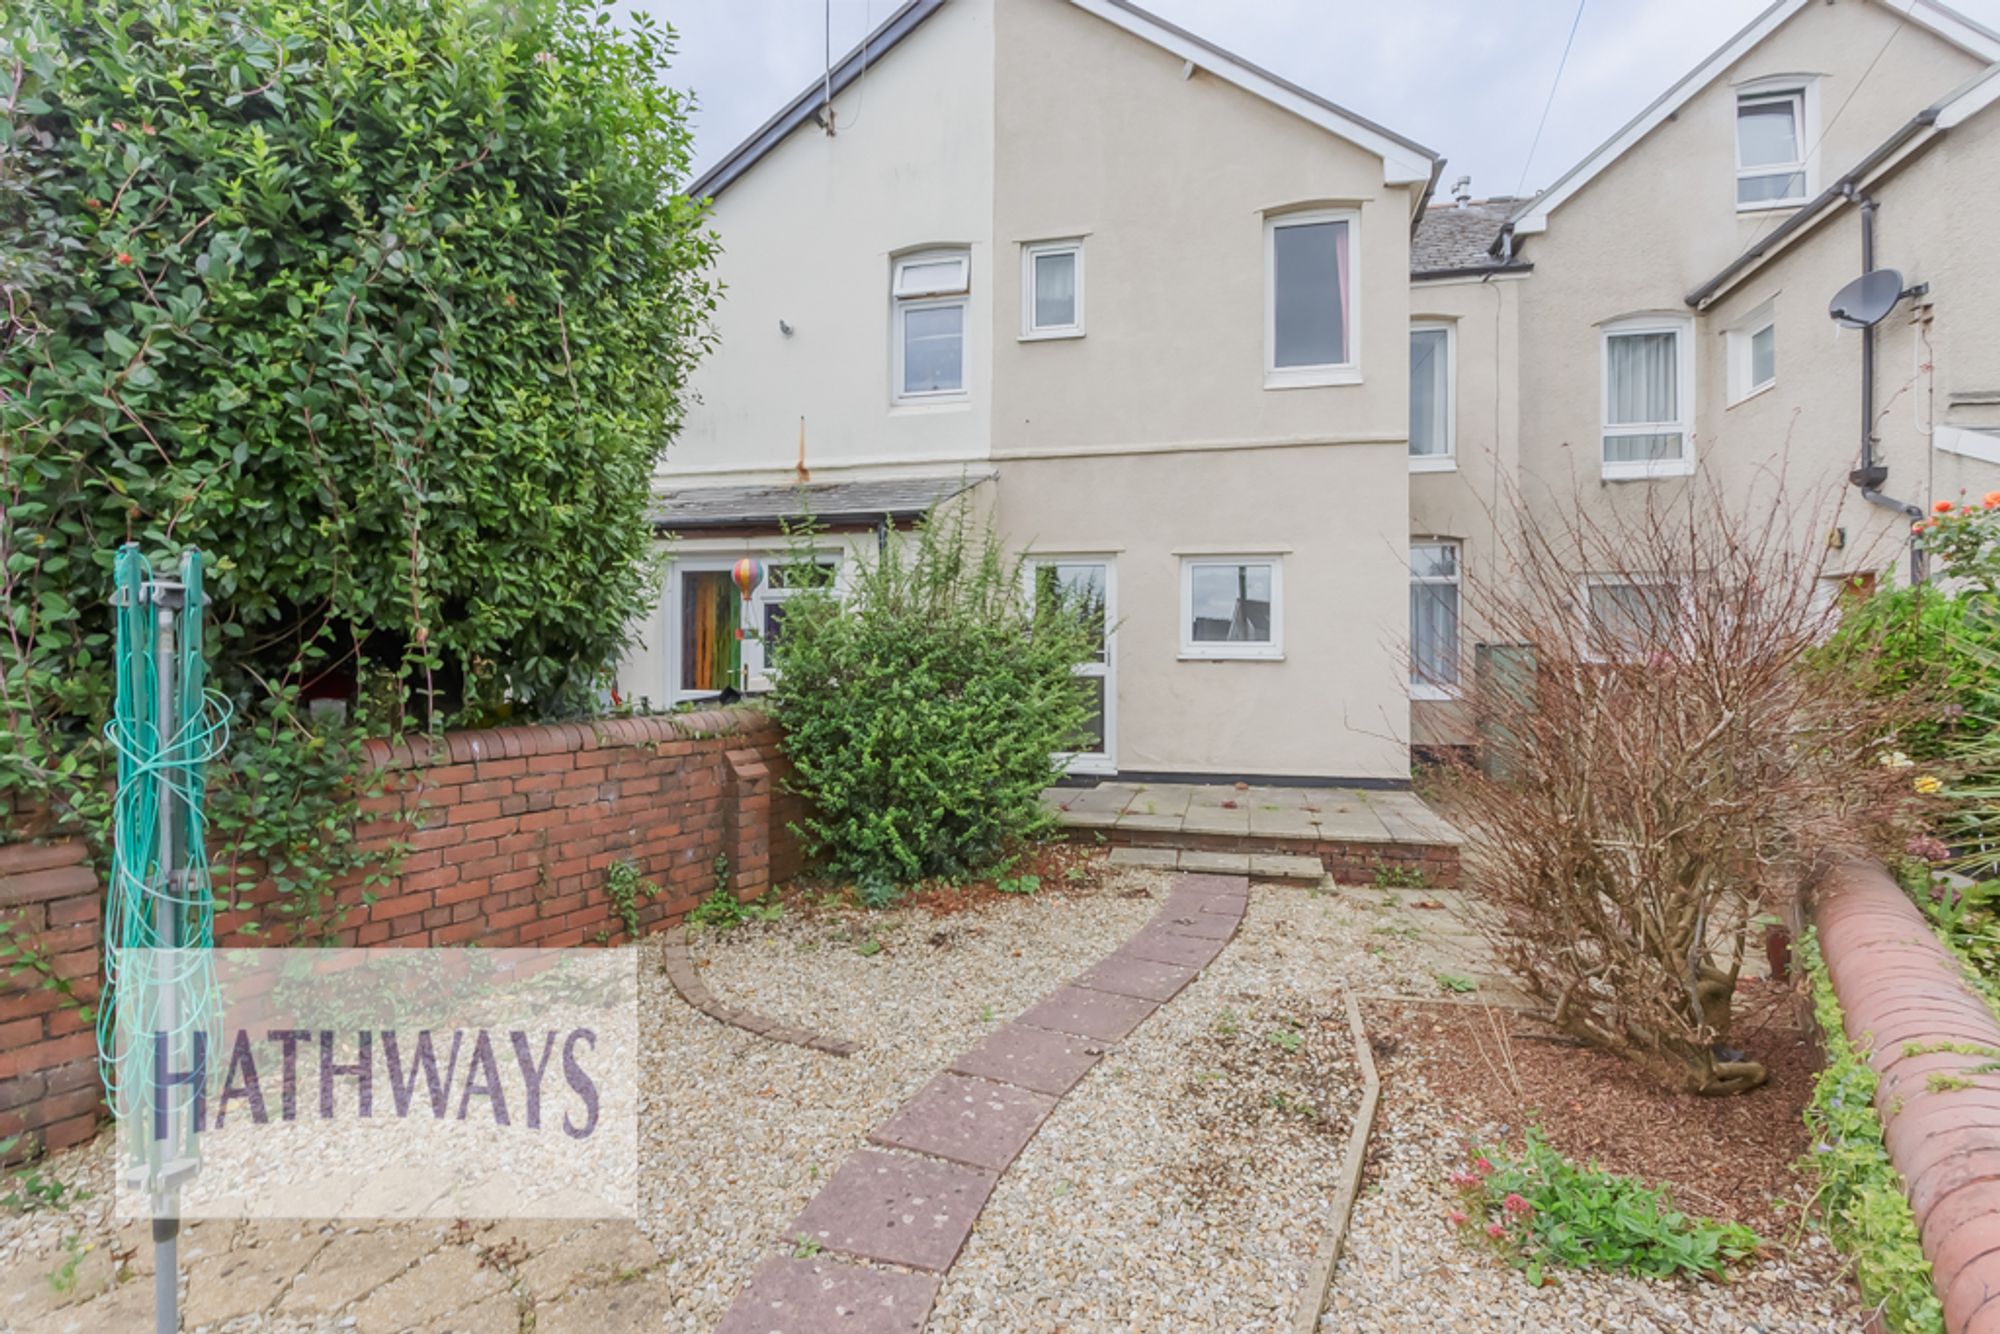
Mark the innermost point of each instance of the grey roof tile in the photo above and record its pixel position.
(1458, 236)
(747, 506)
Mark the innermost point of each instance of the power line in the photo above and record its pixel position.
(1557, 83)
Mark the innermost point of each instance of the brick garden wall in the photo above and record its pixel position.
(510, 834)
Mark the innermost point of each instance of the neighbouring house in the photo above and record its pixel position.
(1141, 303)
(1663, 308)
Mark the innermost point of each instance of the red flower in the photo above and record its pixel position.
(1991, 500)
(1457, 1217)
(1483, 1167)
(1514, 1204)
(125, 257)
(1495, 1231)
(1941, 507)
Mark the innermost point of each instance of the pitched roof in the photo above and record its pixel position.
(1533, 215)
(1458, 238)
(825, 502)
(1913, 137)
(1404, 161)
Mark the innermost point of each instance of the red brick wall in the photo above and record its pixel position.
(511, 833)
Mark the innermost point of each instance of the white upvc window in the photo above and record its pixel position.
(1311, 303)
(1052, 290)
(1775, 127)
(1434, 578)
(1433, 397)
(1232, 607)
(1751, 345)
(930, 292)
(719, 639)
(1628, 618)
(1648, 372)
(1089, 584)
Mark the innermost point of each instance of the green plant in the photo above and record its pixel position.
(1226, 1023)
(869, 948)
(1860, 1193)
(1538, 1209)
(387, 305)
(1455, 982)
(30, 1189)
(623, 886)
(1285, 1039)
(923, 709)
(1394, 875)
(805, 1246)
(63, 1280)
(21, 952)
(1018, 884)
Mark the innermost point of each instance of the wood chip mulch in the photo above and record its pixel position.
(1723, 1157)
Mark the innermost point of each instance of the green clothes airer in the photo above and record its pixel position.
(158, 1014)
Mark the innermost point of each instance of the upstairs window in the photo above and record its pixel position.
(1648, 397)
(1771, 134)
(1052, 290)
(930, 291)
(1309, 299)
(1430, 398)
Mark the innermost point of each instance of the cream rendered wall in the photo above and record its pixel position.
(1153, 434)
(1662, 219)
(1474, 502)
(808, 234)
(1934, 225)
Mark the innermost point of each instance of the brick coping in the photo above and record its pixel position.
(530, 739)
(1902, 993)
(680, 969)
(851, 1287)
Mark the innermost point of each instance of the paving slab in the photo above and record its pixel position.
(1032, 1058)
(1146, 822)
(1223, 863)
(896, 1209)
(1215, 820)
(822, 1296)
(1282, 822)
(1185, 921)
(1163, 946)
(1129, 975)
(977, 1122)
(1088, 1014)
(1286, 866)
(1157, 859)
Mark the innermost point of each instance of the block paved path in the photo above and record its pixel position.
(888, 1225)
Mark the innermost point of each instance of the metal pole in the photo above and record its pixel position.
(166, 937)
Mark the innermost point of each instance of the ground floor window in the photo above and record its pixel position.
(1231, 607)
(1434, 575)
(1086, 585)
(724, 641)
(1628, 619)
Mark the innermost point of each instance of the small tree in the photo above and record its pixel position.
(923, 706)
(1666, 762)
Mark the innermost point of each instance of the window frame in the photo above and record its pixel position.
(1193, 650)
(1090, 762)
(902, 302)
(1803, 94)
(1682, 327)
(1032, 332)
(1447, 461)
(1587, 618)
(1432, 690)
(1737, 347)
(1327, 373)
(764, 595)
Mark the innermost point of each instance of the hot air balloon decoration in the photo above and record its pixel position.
(747, 574)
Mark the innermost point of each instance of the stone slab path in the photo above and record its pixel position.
(891, 1224)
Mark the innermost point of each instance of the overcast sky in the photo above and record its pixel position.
(1467, 78)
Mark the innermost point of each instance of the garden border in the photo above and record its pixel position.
(1319, 1280)
(684, 973)
(1902, 993)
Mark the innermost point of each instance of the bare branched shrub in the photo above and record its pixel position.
(1664, 761)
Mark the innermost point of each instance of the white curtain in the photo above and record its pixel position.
(1434, 634)
(1428, 384)
(1055, 291)
(1643, 374)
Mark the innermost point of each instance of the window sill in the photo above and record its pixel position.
(1758, 392)
(1433, 694)
(1433, 463)
(1646, 472)
(916, 407)
(1048, 335)
(1311, 377)
(1773, 205)
(1240, 655)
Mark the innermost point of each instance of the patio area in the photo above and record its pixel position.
(1286, 833)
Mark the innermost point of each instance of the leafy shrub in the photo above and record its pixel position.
(1539, 1209)
(1860, 1193)
(387, 305)
(922, 711)
(1908, 644)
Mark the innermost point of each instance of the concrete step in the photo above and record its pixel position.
(1259, 865)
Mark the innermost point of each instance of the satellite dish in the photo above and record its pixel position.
(1867, 301)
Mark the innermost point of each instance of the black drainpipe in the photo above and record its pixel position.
(1871, 474)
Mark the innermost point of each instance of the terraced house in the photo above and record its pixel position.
(1209, 345)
